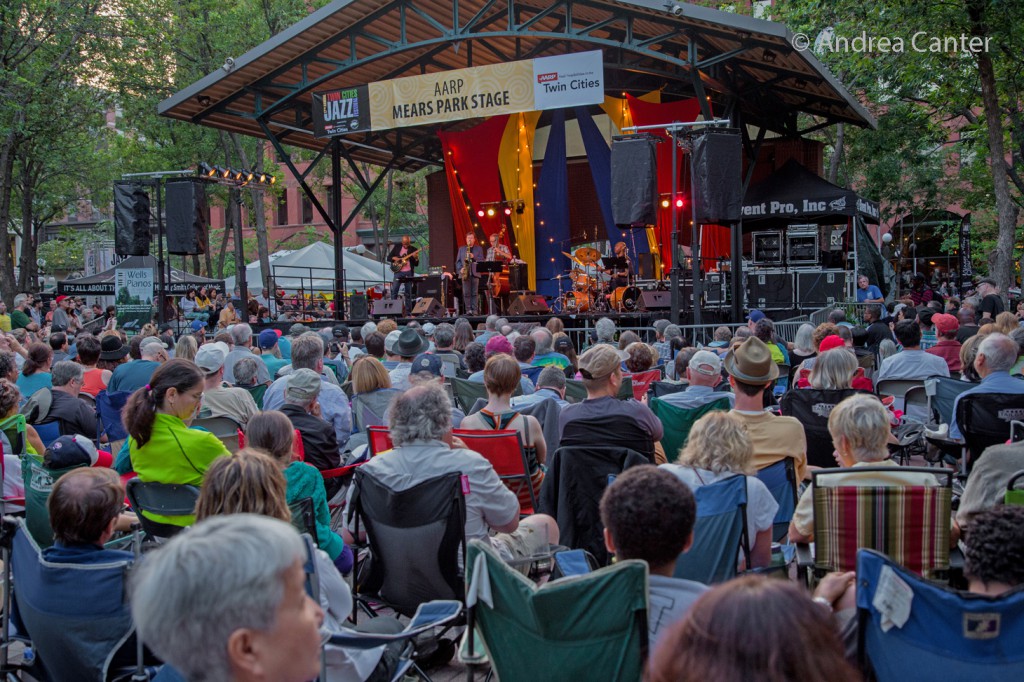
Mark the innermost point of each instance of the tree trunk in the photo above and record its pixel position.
(27, 279)
(837, 154)
(1000, 259)
(258, 214)
(7, 152)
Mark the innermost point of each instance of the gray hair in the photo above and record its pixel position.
(444, 335)
(1017, 335)
(803, 340)
(491, 323)
(241, 334)
(19, 299)
(605, 329)
(246, 371)
(551, 377)
(501, 322)
(64, 371)
(543, 337)
(367, 329)
(864, 422)
(723, 333)
(672, 331)
(660, 326)
(886, 349)
(151, 346)
(833, 369)
(226, 573)
(421, 413)
(1000, 352)
(307, 351)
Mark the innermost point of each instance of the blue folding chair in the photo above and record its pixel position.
(949, 635)
(719, 533)
(48, 432)
(109, 406)
(780, 479)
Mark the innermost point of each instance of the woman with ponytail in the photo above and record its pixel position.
(161, 446)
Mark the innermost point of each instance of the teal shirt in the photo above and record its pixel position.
(273, 364)
(305, 481)
(33, 382)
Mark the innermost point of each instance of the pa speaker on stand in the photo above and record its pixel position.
(634, 171)
(186, 217)
(131, 219)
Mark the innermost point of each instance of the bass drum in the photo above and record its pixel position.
(575, 303)
(626, 299)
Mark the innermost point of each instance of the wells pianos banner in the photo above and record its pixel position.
(478, 92)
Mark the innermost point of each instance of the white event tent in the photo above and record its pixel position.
(311, 268)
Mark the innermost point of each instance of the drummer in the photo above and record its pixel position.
(620, 277)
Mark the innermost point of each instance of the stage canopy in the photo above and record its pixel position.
(793, 194)
(311, 268)
(102, 284)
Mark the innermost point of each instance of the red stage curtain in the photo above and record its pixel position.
(471, 160)
(646, 113)
(714, 244)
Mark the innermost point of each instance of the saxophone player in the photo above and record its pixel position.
(465, 264)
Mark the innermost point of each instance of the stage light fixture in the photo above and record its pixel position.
(246, 176)
(508, 211)
(480, 213)
(222, 172)
(664, 203)
(206, 170)
(490, 211)
(520, 206)
(679, 203)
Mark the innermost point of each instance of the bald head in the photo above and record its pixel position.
(996, 353)
(965, 315)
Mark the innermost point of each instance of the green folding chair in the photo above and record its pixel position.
(1013, 495)
(678, 422)
(586, 627)
(467, 392)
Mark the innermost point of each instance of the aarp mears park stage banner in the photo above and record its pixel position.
(478, 92)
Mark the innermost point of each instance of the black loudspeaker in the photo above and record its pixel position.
(820, 288)
(357, 306)
(430, 307)
(131, 220)
(770, 290)
(715, 288)
(716, 163)
(634, 181)
(518, 277)
(186, 217)
(428, 287)
(656, 300)
(384, 308)
(528, 304)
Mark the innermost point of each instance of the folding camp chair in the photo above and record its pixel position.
(166, 502)
(108, 407)
(76, 615)
(916, 404)
(908, 522)
(532, 373)
(588, 627)
(572, 489)
(402, 527)
(946, 635)
(369, 409)
(719, 534)
(466, 392)
(812, 406)
(14, 430)
(49, 432)
(641, 381)
(943, 393)
(677, 421)
(898, 389)
(225, 428)
(303, 516)
(575, 391)
(379, 440)
(780, 479)
(1013, 495)
(504, 450)
(985, 419)
(659, 389)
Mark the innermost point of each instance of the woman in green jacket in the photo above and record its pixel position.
(273, 433)
(162, 447)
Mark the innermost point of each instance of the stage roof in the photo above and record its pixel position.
(745, 66)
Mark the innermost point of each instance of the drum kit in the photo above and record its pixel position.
(588, 286)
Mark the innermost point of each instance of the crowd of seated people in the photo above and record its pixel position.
(294, 395)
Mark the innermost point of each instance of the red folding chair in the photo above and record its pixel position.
(504, 450)
(380, 440)
(643, 380)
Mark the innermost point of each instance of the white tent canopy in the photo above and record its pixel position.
(311, 268)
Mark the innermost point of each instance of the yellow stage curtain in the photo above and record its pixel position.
(515, 163)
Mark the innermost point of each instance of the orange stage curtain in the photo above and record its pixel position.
(515, 161)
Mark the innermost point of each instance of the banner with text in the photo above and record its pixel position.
(133, 296)
(477, 92)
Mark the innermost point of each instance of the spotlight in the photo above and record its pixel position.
(679, 203)
(664, 203)
(246, 176)
(480, 213)
(271, 179)
(222, 172)
(490, 211)
(236, 175)
(206, 170)
(508, 211)
(520, 206)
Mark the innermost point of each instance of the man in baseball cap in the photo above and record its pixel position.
(302, 388)
(603, 419)
(947, 347)
(428, 368)
(268, 340)
(221, 399)
(704, 375)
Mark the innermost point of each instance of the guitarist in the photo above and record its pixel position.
(405, 255)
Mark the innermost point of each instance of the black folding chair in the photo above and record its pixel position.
(164, 499)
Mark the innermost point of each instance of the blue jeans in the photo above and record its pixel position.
(402, 279)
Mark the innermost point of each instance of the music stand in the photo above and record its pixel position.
(489, 268)
(615, 263)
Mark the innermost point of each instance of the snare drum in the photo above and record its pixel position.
(626, 299)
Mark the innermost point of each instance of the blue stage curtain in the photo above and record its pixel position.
(600, 160)
(552, 210)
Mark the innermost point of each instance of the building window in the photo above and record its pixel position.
(307, 210)
(282, 208)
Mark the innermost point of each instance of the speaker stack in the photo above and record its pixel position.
(131, 219)
(656, 300)
(357, 308)
(186, 217)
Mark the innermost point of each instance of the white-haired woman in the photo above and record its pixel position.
(720, 448)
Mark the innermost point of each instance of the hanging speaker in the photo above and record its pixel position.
(634, 181)
(186, 217)
(131, 219)
(716, 163)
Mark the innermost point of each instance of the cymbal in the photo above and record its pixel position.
(588, 254)
(571, 257)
